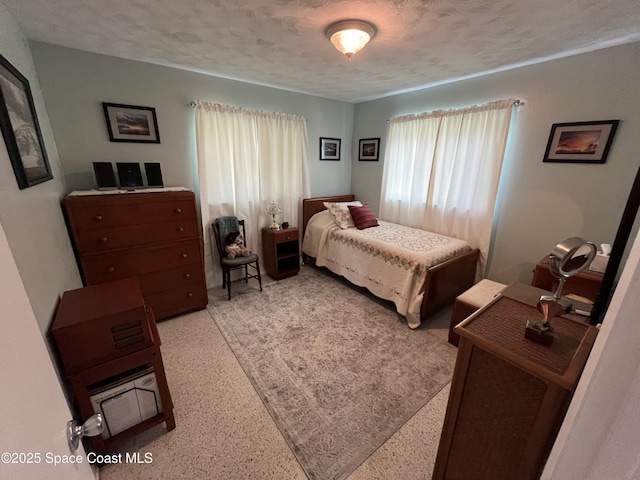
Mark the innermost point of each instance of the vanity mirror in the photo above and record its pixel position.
(568, 258)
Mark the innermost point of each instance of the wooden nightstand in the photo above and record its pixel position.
(585, 284)
(281, 252)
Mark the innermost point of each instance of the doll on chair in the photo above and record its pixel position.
(234, 246)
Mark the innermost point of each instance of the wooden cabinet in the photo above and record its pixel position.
(585, 284)
(509, 395)
(155, 237)
(281, 252)
(104, 333)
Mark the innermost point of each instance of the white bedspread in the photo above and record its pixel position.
(391, 260)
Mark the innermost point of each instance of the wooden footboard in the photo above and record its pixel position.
(446, 281)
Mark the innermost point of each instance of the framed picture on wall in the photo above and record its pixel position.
(329, 148)
(580, 142)
(20, 128)
(368, 149)
(128, 123)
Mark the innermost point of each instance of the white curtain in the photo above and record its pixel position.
(246, 159)
(442, 170)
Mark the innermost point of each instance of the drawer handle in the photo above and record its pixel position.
(111, 269)
(187, 275)
(178, 210)
(104, 239)
(98, 218)
(181, 228)
(184, 255)
(190, 294)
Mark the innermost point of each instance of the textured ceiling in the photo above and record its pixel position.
(281, 43)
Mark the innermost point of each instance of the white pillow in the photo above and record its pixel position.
(340, 213)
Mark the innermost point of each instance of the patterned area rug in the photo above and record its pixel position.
(339, 372)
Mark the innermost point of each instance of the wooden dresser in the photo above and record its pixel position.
(155, 237)
(509, 394)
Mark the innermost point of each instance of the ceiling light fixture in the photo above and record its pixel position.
(350, 36)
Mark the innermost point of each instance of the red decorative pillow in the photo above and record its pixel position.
(363, 217)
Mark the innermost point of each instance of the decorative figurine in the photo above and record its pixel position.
(542, 331)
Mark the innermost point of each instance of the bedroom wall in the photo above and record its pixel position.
(32, 218)
(539, 204)
(36, 266)
(75, 84)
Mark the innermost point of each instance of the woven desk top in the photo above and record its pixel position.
(503, 325)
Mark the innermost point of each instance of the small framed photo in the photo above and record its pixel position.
(20, 128)
(329, 148)
(128, 123)
(580, 142)
(368, 151)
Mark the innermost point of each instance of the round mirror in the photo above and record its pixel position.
(568, 258)
(571, 257)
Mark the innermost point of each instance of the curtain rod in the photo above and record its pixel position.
(193, 104)
(516, 103)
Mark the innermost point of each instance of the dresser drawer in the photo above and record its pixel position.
(103, 239)
(122, 214)
(177, 300)
(136, 262)
(163, 280)
(287, 235)
(171, 278)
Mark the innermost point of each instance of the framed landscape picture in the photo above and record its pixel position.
(368, 149)
(20, 128)
(128, 123)
(580, 142)
(329, 148)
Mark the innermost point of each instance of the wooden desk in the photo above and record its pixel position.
(509, 395)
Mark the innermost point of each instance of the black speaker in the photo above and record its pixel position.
(105, 177)
(154, 174)
(129, 175)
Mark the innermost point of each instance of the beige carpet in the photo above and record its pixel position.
(224, 430)
(339, 372)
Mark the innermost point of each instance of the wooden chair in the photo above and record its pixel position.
(222, 226)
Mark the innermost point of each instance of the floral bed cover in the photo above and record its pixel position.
(391, 260)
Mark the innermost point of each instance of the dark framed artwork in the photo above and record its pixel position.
(369, 149)
(580, 142)
(129, 123)
(329, 148)
(20, 128)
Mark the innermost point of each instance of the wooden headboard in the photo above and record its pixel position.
(311, 206)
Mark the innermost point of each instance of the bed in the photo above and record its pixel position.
(420, 272)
